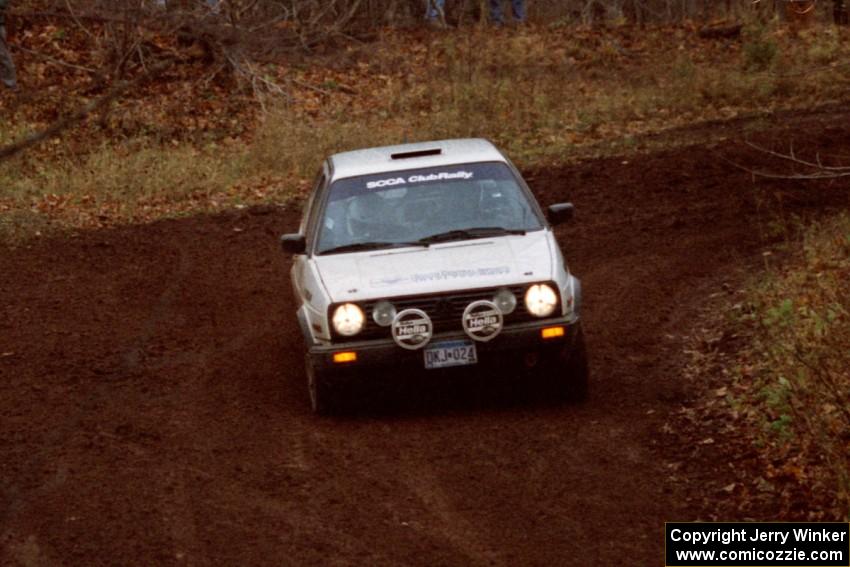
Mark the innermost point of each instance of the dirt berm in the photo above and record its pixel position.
(153, 408)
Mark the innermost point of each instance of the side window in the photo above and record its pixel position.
(308, 206)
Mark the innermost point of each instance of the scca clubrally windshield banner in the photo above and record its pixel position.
(757, 544)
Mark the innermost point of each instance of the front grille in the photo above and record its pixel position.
(445, 311)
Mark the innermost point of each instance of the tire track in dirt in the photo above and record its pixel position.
(452, 525)
(428, 509)
(155, 411)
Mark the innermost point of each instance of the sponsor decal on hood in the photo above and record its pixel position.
(458, 265)
(440, 275)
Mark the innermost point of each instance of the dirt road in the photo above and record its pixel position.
(153, 407)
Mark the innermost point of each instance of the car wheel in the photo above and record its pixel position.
(570, 376)
(322, 399)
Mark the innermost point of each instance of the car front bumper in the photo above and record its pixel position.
(521, 343)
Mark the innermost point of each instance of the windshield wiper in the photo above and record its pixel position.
(448, 236)
(470, 233)
(363, 246)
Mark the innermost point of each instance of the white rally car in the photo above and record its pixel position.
(428, 256)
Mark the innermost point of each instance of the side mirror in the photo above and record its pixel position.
(560, 213)
(293, 243)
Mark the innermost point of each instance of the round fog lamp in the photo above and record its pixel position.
(383, 313)
(348, 319)
(505, 301)
(541, 300)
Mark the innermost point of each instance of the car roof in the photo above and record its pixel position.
(430, 154)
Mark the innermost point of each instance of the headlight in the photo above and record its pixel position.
(505, 301)
(541, 300)
(383, 313)
(348, 319)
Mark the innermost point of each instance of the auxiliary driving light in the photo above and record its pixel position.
(383, 313)
(505, 301)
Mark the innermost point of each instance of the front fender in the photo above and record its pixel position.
(305, 328)
(576, 284)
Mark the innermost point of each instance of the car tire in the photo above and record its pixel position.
(322, 399)
(571, 376)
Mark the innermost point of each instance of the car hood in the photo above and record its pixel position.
(467, 264)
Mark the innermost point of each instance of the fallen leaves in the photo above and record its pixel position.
(757, 455)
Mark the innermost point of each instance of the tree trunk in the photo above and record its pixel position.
(633, 11)
(839, 12)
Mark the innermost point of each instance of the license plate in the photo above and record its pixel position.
(450, 353)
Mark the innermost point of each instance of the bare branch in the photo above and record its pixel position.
(56, 61)
(821, 171)
(794, 176)
(76, 20)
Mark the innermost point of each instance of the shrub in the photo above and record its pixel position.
(801, 350)
(760, 50)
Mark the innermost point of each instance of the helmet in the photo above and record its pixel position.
(367, 214)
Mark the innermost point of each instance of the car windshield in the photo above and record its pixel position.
(424, 206)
